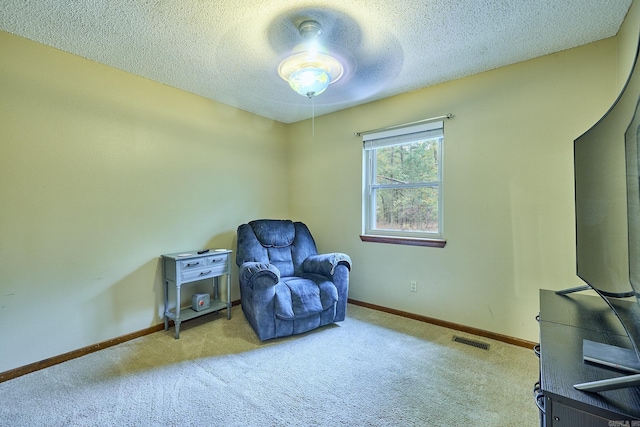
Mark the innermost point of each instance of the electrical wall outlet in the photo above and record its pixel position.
(414, 286)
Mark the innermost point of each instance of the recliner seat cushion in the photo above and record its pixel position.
(297, 298)
(328, 294)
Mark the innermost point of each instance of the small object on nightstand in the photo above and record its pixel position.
(200, 302)
(204, 251)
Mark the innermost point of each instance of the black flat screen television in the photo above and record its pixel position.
(607, 208)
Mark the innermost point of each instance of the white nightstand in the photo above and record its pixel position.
(191, 266)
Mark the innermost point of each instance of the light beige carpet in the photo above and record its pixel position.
(373, 369)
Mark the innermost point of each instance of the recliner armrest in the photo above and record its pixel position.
(251, 272)
(325, 264)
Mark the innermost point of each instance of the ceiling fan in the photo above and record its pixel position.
(330, 53)
(310, 69)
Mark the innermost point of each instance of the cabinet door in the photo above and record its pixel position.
(566, 416)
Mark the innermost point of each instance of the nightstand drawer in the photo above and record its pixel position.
(203, 273)
(190, 264)
(216, 260)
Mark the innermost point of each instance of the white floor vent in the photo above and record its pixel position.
(473, 343)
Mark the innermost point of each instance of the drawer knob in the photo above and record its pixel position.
(204, 273)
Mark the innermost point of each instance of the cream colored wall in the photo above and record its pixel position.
(628, 43)
(508, 189)
(101, 172)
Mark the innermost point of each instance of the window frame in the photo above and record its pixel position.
(395, 137)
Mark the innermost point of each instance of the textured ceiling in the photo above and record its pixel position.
(229, 51)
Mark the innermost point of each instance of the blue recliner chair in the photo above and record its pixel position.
(286, 288)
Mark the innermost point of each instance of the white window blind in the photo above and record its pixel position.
(403, 135)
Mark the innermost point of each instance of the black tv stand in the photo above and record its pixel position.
(566, 320)
(610, 356)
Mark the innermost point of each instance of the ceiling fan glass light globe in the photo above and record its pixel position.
(310, 81)
(310, 59)
(302, 62)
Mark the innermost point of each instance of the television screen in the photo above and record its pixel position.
(607, 203)
(632, 151)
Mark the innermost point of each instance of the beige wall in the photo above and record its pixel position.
(101, 172)
(508, 189)
(628, 43)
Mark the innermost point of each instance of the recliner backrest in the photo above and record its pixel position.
(283, 243)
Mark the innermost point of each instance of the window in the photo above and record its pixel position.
(403, 184)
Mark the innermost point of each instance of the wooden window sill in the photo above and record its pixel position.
(411, 241)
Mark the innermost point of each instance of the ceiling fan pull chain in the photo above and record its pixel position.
(313, 116)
